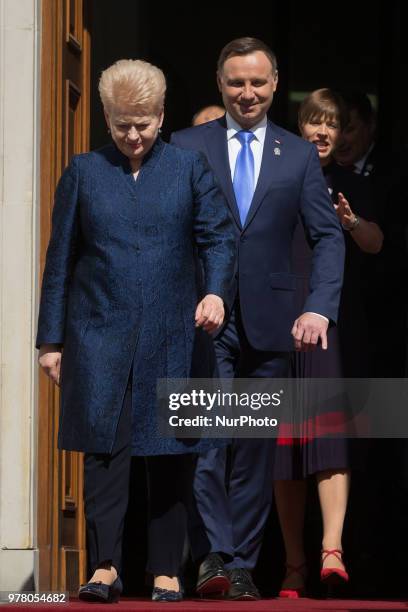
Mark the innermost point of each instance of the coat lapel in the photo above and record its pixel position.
(272, 157)
(217, 152)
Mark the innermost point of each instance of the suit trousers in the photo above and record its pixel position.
(106, 494)
(232, 503)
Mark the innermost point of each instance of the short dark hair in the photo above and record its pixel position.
(323, 103)
(360, 102)
(245, 46)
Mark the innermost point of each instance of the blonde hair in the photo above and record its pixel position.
(133, 83)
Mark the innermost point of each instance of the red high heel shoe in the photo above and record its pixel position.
(299, 591)
(333, 575)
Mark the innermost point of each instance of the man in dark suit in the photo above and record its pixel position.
(269, 178)
(385, 169)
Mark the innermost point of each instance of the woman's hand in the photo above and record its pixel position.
(210, 313)
(366, 234)
(49, 359)
(346, 216)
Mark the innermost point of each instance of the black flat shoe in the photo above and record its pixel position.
(100, 592)
(212, 577)
(242, 587)
(159, 594)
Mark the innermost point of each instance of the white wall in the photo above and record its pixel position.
(19, 129)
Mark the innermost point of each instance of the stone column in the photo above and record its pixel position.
(19, 129)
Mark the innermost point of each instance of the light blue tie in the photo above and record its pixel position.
(244, 179)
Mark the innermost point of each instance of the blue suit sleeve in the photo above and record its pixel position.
(214, 234)
(326, 239)
(59, 259)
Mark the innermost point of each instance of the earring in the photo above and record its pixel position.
(160, 130)
(109, 131)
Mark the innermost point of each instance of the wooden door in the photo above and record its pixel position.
(65, 87)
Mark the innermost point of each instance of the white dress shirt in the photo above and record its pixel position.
(257, 144)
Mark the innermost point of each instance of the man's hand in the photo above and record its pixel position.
(49, 359)
(307, 330)
(210, 313)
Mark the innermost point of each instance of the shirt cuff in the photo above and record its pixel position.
(319, 315)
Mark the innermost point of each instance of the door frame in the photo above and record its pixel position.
(65, 39)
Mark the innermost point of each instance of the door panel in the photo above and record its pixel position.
(65, 73)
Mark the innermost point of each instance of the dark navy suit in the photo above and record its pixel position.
(257, 340)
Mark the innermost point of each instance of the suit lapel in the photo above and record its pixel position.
(270, 168)
(217, 152)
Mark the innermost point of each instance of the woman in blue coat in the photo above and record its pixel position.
(119, 309)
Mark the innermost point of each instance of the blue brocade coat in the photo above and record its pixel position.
(120, 287)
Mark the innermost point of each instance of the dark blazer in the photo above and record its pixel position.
(290, 183)
(386, 169)
(120, 289)
(349, 350)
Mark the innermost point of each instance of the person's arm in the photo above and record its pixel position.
(366, 234)
(60, 258)
(326, 239)
(216, 244)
